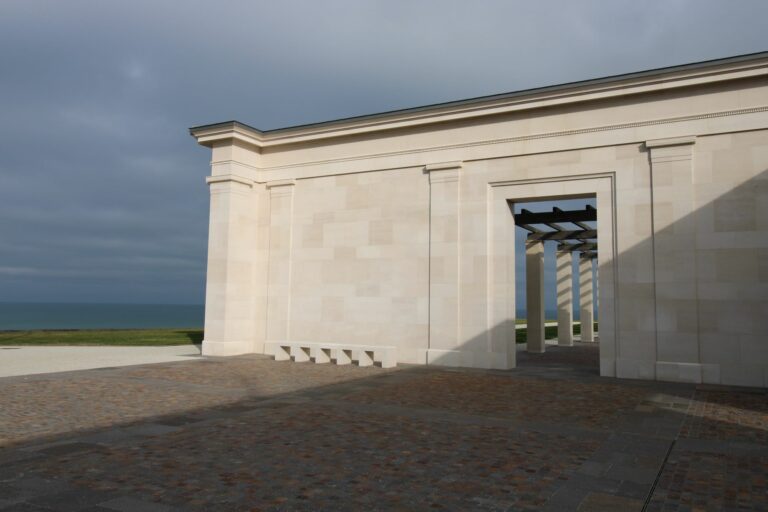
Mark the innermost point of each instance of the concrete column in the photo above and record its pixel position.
(564, 275)
(586, 304)
(444, 265)
(534, 288)
(279, 272)
(230, 326)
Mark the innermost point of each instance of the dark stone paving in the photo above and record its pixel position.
(249, 433)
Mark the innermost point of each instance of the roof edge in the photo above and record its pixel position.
(261, 137)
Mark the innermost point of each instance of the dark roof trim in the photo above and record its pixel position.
(492, 97)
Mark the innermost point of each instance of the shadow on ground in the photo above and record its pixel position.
(249, 433)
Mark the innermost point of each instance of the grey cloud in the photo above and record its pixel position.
(101, 189)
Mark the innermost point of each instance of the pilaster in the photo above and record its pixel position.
(444, 263)
(279, 271)
(230, 325)
(674, 249)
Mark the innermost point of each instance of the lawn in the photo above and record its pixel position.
(124, 338)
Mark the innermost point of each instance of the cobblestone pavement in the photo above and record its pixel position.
(249, 433)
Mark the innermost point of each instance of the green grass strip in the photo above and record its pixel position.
(107, 337)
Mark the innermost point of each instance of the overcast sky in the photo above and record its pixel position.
(102, 197)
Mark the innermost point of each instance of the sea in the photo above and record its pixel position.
(20, 316)
(31, 316)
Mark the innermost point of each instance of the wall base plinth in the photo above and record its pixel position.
(607, 367)
(468, 359)
(227, 348)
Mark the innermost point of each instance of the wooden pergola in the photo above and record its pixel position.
(583, 239)
(569, 229)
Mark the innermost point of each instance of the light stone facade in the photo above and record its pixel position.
(396, 229)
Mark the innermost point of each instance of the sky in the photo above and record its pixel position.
(102, 193)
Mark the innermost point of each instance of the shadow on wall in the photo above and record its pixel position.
(692, 300)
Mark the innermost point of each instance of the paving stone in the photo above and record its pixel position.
(71, 500)
(634, 490)
(600, 502)
(25, 485)
(634, 474)
(593, 468)
(712, 481)
(25, 507)
(9, 456)
(130, 504)
(248, 432)
(150, 429)
(67, 448)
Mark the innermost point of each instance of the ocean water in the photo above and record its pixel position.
(26, 316)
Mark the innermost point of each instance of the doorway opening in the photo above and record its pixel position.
(556, 262)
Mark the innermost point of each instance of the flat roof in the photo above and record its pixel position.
(501, 96)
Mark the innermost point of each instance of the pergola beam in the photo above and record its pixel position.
(583, 234)
(581, 247)
(526, 217)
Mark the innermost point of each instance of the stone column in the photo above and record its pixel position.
(534, 288)
(279, 270)
(586, 304)
(564, 276)
(444, 265)
(229, 295)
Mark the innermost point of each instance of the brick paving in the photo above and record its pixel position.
(249, 433)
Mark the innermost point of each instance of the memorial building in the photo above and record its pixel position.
(389, 238)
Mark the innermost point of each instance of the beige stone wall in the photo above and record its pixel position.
(360, 260)
(397, 231)
(731, 221)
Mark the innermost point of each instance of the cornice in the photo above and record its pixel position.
(524, 138)
(623, 85)
(674, 141)
(229, 178)
(280, 183)
(673, 149)
(445, 172)
(442, 166)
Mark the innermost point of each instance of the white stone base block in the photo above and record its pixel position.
(282, 353)
(342, 356)
(607, 367)
(710, 373)
(388, 359)
(322, 355)
(227, 348)
(364, 358)
(635, 369)
(300, 354)
(743, 375)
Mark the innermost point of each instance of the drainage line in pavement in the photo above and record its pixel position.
(658, 475)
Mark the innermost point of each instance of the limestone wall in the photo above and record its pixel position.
(400, 233)
(360, 260)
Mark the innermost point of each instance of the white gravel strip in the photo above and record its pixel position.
(25, 360)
